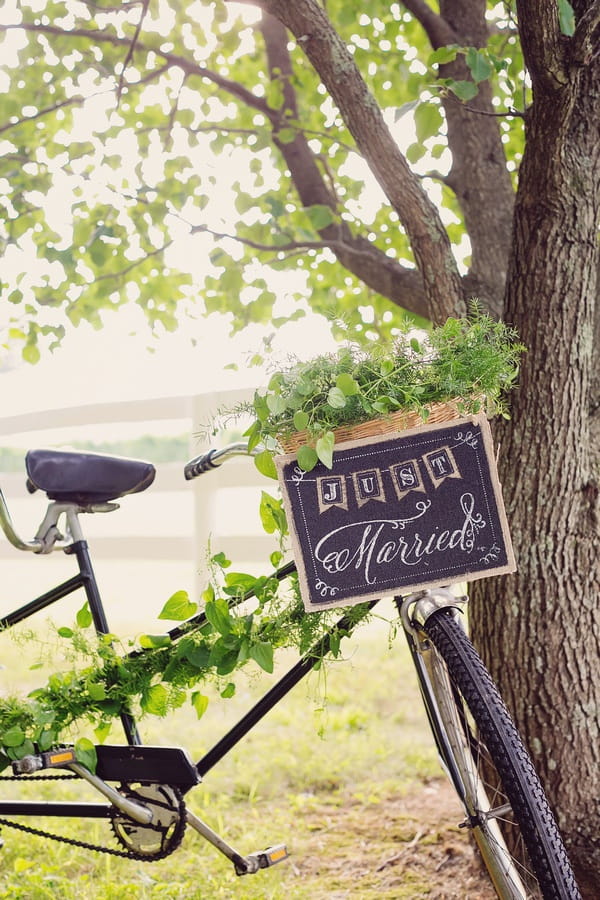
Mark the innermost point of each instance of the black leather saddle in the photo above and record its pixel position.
(84, 478)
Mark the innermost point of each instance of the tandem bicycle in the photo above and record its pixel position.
(142, 789)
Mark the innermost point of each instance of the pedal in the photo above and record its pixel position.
(61, 756)
(262, 859)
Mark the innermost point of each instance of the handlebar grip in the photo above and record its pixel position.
(199, 465)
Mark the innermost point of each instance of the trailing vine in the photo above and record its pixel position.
(242, 619)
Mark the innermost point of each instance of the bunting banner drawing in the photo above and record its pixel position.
(397, 513)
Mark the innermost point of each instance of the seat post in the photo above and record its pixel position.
(80, 549)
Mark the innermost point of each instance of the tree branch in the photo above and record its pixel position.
(172, 59)
(330, 58)
(542, 43)
(72, 101)
(581, 49)
(131, 48)
(436, 28)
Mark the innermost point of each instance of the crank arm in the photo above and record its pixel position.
(244, 865)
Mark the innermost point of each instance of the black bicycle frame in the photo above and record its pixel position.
(87, 580)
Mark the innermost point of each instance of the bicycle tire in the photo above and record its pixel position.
(507, 810)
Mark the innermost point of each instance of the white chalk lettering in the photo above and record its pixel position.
(364, 546)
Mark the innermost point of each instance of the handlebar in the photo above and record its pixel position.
(214, 458)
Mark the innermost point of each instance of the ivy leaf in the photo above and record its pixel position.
(325, 449)
(347, 384)
(200, 703)
(301, 420)
(84, 616)
(336, 398)
(153, 641)
(155, 700)
(198, 656)
(97, 691)
(228, 691)
(277, 404)
(262, 653)
(65, 632)
(102, 731)
(265, 465)
(272, 515)
(85, 753)
(219, 559)
(239, 583)
(178, 607)
(307, 458)
(13, 737)
(46, 739)
(217, 613)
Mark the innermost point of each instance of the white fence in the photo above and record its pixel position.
(173, 520)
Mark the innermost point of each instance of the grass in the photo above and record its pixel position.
(344, 741)
(338, 772)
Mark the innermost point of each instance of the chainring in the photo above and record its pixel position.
(160, 838)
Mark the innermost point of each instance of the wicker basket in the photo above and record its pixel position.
(398, 421)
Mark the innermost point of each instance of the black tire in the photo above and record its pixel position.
(507, 810)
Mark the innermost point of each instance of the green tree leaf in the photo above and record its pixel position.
(320, 216)
(566, 16)
(428, 120)
(464, 90)
(479, 64)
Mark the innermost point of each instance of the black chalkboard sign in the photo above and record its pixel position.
(409, 510)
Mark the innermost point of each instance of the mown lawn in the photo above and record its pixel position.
(343, 772)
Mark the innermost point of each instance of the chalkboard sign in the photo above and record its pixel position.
(398, 513)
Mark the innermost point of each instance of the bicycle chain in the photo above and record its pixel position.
(84, 845)
(39, 777)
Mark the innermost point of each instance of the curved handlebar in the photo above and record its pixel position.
(214, 458)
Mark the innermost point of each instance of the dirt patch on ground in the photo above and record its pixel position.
(406, 847)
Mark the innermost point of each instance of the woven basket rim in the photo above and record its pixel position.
(398, 421)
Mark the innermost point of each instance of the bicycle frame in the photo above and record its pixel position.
(117, 761)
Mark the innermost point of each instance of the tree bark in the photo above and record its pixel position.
(539, 629)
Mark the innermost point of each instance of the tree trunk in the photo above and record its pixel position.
(539, 630)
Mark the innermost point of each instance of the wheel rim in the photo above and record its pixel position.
(489, 811)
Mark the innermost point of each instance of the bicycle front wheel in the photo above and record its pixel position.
(507, 811)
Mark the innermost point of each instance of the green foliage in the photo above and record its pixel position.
(473, 360)
(102, 171)
(245, 620)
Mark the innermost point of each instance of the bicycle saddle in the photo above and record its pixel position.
(76, 477)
